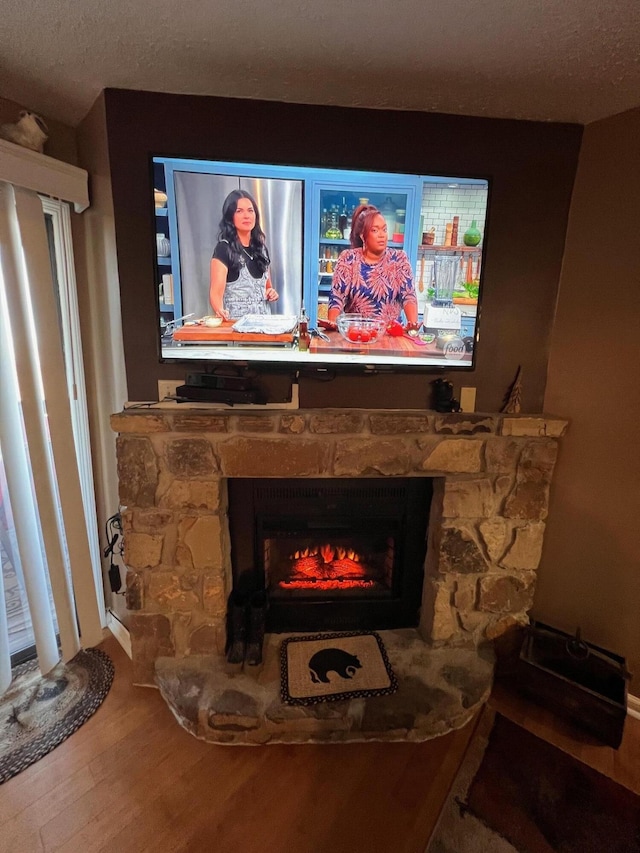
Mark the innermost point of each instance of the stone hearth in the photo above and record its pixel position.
(439, 689)
(491, 477)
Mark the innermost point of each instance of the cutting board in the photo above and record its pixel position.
(224, 334)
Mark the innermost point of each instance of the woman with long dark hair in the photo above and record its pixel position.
(239, 279)
(370, 278)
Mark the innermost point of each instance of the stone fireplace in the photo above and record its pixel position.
(480, 522)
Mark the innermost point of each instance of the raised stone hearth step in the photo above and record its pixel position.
(439, 690)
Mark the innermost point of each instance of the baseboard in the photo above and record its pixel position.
(633, 707)
(119, 632)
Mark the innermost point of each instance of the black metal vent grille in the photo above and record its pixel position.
(365, 492)
(265, 509)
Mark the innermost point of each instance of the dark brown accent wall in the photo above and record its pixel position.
(531, 165)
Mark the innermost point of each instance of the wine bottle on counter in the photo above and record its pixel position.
(303, 332)
(342, 219)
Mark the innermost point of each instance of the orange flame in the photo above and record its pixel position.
(327, 553)
(327, 567)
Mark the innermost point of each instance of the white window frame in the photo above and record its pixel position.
(74, 368)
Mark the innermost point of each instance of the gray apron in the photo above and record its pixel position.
(246, 295)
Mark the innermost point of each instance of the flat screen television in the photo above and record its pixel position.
(435, 229)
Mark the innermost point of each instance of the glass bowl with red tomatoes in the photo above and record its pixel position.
(357, 329)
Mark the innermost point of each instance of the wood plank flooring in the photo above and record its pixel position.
(132, 780)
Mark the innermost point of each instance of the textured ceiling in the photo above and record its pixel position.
(551, 60)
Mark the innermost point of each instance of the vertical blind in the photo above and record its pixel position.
(36, 438)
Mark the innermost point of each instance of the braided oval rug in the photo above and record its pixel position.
(38, 712)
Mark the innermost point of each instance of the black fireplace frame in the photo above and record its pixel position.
(253, 502)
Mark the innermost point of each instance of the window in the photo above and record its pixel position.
(46, 471)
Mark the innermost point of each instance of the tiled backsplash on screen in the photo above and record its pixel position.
(440, 203)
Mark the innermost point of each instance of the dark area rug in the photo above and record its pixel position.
(515, 792)
(38, 712)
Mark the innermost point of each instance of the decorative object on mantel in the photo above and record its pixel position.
(444, 401)
(38, 712)
(30, 131)
(329, 667)
(513, 398)
(516, 793)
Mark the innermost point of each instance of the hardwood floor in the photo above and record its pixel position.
(131, 779)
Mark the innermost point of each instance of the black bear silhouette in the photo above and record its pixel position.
(332, 660)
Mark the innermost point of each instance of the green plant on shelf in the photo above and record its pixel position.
(472, 288)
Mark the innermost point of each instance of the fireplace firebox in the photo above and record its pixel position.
(333, 554)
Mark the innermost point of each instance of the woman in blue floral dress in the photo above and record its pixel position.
(370, 278)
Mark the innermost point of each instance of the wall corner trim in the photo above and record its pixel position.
(119, 631)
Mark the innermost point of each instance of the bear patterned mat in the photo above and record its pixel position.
(328, 667)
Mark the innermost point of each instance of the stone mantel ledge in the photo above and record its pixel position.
(333, 421)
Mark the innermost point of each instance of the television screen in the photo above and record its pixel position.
(300, 267)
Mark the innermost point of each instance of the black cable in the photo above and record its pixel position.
(148, 405)
(113, 532)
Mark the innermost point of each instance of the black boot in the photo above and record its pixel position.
(257, 622)
(237, 607)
